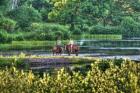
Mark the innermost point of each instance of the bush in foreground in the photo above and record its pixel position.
(124, 78)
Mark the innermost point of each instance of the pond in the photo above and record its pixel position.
(96, 48)
(101, 53)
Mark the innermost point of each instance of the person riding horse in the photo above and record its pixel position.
(71, 43)
(58, 43)
(71, 47)
(58, 47)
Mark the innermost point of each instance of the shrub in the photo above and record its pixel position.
(7, 24)
(55, 27)
(59, 33)
(50, 36)
(4, 36)
(100, 29)
(44, 31)
(85, 28)
(77, 31)
(67, 35)
(9, 62)
(104, 65)
(125, 79)
(36, 27)
(46, 27)
(130, 27)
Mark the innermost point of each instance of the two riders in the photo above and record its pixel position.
(59, 45)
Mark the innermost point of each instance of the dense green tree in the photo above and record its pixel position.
(88, 16)
(25, 15)
(81, 11)
(43, 6)
(66, 12)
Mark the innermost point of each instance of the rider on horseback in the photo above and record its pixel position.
(58, 47)
(72, 48)
(71, 43)
(58, 42)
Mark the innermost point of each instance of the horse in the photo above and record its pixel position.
(72, 48)
(57, 50)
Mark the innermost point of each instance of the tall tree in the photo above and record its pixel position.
(66, 11)
(44, 7)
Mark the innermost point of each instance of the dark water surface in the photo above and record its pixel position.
(100, 54)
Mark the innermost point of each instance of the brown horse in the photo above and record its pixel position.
(72, 49)
(57, 50)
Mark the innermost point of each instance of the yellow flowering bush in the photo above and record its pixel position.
(122, 78)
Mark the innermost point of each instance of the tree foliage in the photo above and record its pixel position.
(25, 15)
(80, 15)
(7, 24)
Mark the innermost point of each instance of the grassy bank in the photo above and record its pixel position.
(29, 45)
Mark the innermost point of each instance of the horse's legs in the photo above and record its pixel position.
(69, 53)
(76, 53)
(53, 53)
(71, 48)
(59, 54)
(60, 51)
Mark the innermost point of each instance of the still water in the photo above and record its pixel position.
(100, 54)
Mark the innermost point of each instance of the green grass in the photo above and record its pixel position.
(37, 43)
(98, 37)
(9, 62)
(35, 36)
(29, 45)
(19, 45)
